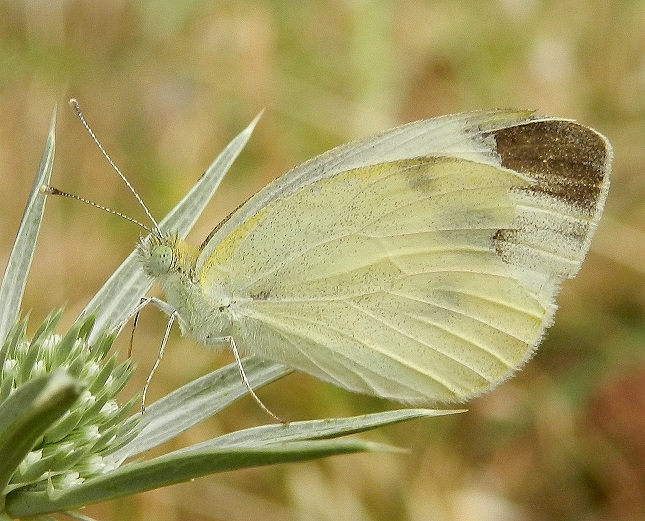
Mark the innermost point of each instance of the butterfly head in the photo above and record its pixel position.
(156, 254)
(166, 255)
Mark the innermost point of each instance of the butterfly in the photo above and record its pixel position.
(420, 264)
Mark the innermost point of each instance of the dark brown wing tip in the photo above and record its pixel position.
(566, 159)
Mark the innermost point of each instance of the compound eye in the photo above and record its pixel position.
(161, 259)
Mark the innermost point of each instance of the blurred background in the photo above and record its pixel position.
(165, 85)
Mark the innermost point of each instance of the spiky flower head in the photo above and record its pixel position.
(81, 443)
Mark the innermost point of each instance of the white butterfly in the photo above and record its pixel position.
(420, 264)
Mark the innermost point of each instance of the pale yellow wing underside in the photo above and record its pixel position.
(421, 279)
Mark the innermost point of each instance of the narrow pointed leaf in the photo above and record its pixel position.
(198, 400)
(315, 429)
(173, 468)
(15, 276)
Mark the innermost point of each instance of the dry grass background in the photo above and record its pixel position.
(166, 84)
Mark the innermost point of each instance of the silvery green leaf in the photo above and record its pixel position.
(15, 276)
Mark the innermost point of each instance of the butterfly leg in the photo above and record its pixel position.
(172, 314)
(143, 302)
(246, 382)
(171, 320)
(135, 321)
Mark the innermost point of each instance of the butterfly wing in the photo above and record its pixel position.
(419, 265)
(465, 135)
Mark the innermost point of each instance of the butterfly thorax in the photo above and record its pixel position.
(172, 263)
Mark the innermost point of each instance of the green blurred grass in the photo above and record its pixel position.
(165, 85)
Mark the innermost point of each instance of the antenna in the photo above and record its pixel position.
(157, 231)
(51, 190)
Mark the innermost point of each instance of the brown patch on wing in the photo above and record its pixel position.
(568, 160)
